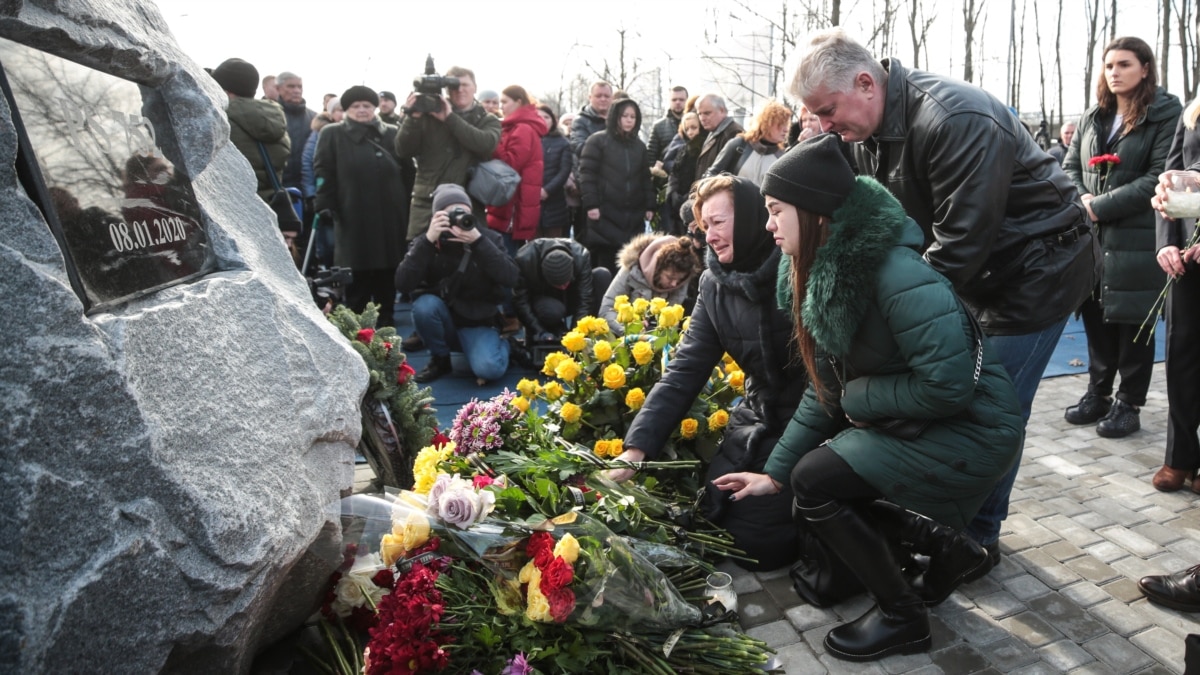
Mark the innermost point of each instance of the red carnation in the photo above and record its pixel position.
(439, 439)
(482, 481)
(404, 372)
(1104, 159)
(562, 603)
(558, 574)
(365, 335)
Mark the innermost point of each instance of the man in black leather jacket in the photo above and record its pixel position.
(556, 282)
(1001, 219)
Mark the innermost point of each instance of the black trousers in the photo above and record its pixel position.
(377, 285)
(1112, 350)
(821, 477)
(1183, 371)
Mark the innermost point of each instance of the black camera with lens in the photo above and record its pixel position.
(428, 88)
(460, 217)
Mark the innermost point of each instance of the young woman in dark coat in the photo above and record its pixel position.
(735, 313)
(557, 164)
(1135, 120)
(618, 196)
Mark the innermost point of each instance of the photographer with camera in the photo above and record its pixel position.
(446, 136)
(458, 273)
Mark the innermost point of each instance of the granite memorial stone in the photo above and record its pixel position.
(178, 418)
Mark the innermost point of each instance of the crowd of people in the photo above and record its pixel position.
(891, 264)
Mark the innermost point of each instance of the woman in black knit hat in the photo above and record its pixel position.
(905, 403)
(360, 194)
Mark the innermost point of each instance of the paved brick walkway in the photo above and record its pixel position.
(1085, 524)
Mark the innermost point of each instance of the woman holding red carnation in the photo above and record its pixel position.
(1114, 160)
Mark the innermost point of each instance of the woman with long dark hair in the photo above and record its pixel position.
(1114, 160)
(887, 345)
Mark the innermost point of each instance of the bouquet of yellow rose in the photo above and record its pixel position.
(601, 381)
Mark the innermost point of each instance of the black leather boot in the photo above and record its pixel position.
(953, 556)
(899, 622)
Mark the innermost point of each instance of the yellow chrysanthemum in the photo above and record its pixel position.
(614, 376)
(574, 341)
(635, 398)
(552, 391)
(571, 413)
(642, 352)
(656, 305)
(425, 466)
(718, 420)
(521, 403)
(640, 306)
(567, 370)
(737, 380)
(527, 387)
(568, 548)
(552, 361)
(602, 350)
(689, 427)
(670, 316)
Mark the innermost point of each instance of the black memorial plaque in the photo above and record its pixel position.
(106, 153)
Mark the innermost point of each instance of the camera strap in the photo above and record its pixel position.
(450, 289)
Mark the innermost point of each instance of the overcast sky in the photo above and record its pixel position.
(541, 45)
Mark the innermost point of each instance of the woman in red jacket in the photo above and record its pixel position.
(521, 148)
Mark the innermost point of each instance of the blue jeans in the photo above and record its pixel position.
(1025, 358)
(486, 351)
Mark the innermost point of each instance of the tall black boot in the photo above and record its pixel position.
(899, 622)
(953, 556)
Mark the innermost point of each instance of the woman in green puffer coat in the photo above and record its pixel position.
(883, 337)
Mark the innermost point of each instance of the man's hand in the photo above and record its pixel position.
(441, 223)
(442, 114)
(745, 484)
(630, 455)
(408, 104)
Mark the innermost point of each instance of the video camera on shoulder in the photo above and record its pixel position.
(428, 87)
(328, 286)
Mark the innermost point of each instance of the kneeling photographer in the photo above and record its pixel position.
(457, 273)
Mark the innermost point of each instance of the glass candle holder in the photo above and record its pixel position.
(1183, 197)
(720, 589)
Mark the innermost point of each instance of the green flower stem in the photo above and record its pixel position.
(1161, 300)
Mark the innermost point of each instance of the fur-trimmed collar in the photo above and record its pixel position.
(861, 235)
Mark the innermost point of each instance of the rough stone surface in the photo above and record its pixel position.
(168, 467)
